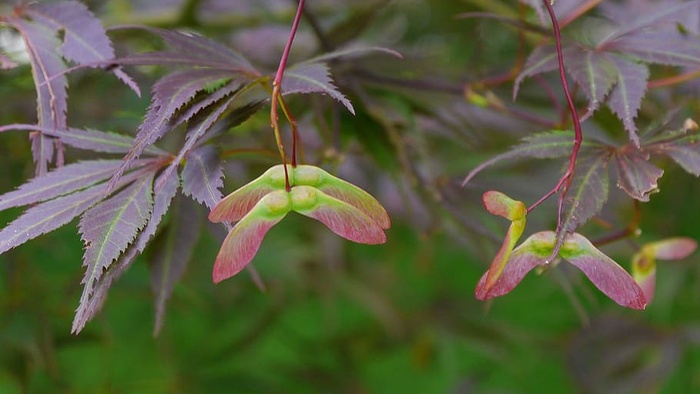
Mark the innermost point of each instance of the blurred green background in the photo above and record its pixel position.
(335, 316)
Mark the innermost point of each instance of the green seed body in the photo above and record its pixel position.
(275, 176)
(308, 175)
(303, 198)
(277, 203)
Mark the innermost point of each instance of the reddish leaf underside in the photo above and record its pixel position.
(635, 174)
(203, 175)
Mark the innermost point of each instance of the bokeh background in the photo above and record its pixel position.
(337, 317)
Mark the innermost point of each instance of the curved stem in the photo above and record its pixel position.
(293, 124)
(277, 93)
(565, 181)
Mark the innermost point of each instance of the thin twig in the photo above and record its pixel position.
(277, 93)
(565, 181)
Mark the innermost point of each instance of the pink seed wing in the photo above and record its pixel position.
(237, 204)
(674, 248)
(242, 243)
(531, 253)
(497, 203)
(605, 273)
(355, 196)
(345, 220)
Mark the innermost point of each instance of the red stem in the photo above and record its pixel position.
(565, 180)
(276, 93)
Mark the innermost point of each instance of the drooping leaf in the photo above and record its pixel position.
(62, 180)
(232, 88)
(84, 39)
(587, 194)
(635, 175)
(117, 268)
(99, 141)
(170, 260)
(605, 273)
(236, 205)
(200, 47)
(546, 145)
(344, 191)
(626, 96)
(170, 94)
(195, 130)
(242, 242)
(534, 251)
(191, 49)
(107, 229)
(203, 175)
(340, 217)
(163, 198)
(47, 65)
(48, 216)
(313, 78)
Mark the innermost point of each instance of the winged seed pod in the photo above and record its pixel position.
(499, 204)
(345, 209)
(234, 206)
(604, 272)
(644, 261)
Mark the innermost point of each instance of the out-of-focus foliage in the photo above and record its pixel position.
(341, 317)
